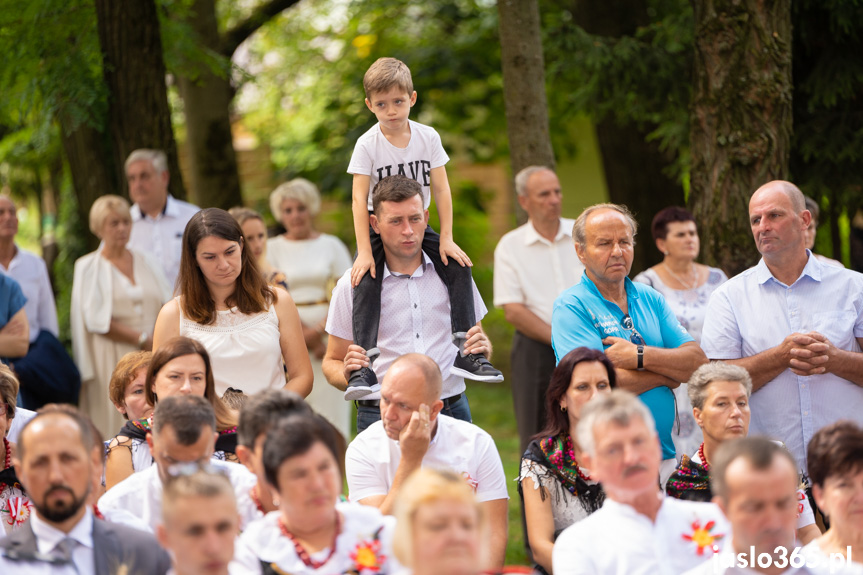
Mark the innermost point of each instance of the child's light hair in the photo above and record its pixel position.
(386, 73)
(426, 486)
(197, 483)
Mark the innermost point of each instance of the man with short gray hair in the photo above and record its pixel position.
(794, 323)
(637, 531)
(158, 219)
(533, 264)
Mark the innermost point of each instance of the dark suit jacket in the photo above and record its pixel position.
(113, 546)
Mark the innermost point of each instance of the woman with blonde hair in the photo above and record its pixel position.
(116, 296)
(252, 331)
(312, 261)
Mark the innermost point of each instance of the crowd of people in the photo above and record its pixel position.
(683, 422)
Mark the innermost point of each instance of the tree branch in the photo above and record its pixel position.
(237, 35)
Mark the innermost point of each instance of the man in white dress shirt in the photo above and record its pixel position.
(413, 433)
(415, 309)
(183, 432)
(755, 483)
(638, 531)
(794, 323)
(56, 464)
(533, 264)
(158, 219)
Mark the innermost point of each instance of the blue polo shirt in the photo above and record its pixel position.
(11, 298)
(582, 317)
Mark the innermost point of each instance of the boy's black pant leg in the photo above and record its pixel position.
(367, 299)
(458, 281)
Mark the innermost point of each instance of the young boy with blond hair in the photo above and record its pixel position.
(397, 145)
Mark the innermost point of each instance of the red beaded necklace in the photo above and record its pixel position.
(704, 462)
(8, 462)
(257, 500)
(301, 551)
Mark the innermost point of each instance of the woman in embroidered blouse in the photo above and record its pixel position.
(116, 296)
(311, 532)
(686, 286)
(14, 503)
(556, 491)
(181, 366)
(835, 459)
(719, 393)
(251, 330)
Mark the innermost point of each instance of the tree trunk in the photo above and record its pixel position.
(91, 170)
(215, 180)
(633, 166)
(740, 119)
(523, 67)
(634, 174)
(138, 112)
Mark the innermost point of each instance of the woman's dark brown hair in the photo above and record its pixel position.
(835, 450)
(179, 346)
(557, 421)
(252, 294)
(671, 214)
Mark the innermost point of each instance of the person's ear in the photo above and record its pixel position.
(818, 495)
(660, 245)
(720, 502)
(244, 454)
(426, 216)
(413, 98)
(369, 106)
(579, 251)
(697, 413)
(373, 220)
(166, 178)
(150, 442)
(806, 216)
(522, 201)
(162, 536)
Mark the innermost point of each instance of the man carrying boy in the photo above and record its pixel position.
(414, 307)
(399, 146)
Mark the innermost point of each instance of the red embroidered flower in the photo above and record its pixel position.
(366, 556)
(18, 510)
(702, 536)
(470, 480)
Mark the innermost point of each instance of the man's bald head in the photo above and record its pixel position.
(418, 364)
(795, 196)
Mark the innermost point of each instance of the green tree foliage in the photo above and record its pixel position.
(306, 98)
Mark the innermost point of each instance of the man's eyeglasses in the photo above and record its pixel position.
(187, 468)
(634, 336)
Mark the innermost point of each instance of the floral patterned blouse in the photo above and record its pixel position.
(15, 506)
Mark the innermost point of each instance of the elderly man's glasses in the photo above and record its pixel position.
(634, 336)
(187, 468)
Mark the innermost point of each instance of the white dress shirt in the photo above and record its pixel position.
(31, 273)
(754, 312)
(162, 236)
(415, 318)
(373, 458)
(530, 270)
(617, 540)
(140, 495)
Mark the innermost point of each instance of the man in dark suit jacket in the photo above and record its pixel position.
(56, 465)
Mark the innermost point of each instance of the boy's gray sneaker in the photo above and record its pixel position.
(363, 381)
(475, 367)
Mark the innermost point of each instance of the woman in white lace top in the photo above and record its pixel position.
(556, 490)
(251, 330)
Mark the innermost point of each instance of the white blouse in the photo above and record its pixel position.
(244, 349)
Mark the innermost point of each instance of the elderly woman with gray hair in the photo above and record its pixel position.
(311, 262)
(719, 393)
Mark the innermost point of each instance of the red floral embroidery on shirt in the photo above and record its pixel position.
(702, 536)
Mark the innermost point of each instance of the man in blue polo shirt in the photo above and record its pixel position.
(631, 322)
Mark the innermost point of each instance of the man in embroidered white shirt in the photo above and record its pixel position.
(754, 482)
(57, 465)
(158, 219)
(412, 433)
(183, 432)
(638, 531)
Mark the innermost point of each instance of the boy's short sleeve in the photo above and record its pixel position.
(439, 156)
(361, 159)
